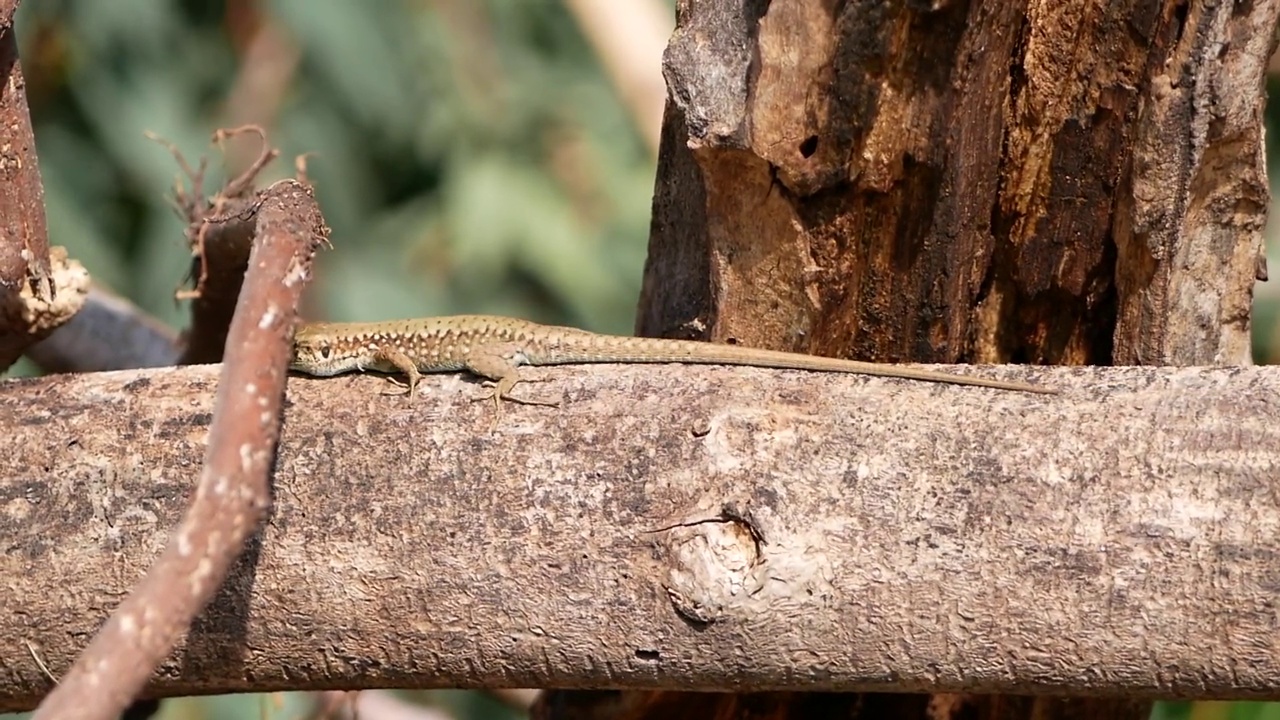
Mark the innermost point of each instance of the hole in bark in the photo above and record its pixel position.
(648, 655)
(809, 146)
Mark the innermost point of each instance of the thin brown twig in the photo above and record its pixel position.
(202, 278)
(202, 213)
(220, 238)
(300, 167)
(233, 493)
(175, 152)
(40, 663)
(241, 184)
(191, 205)
(237, 188)
(200, 243)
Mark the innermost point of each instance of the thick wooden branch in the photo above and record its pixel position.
(689, 527)
(108, 332)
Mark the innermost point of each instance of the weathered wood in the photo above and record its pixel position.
(40, 287)
(678, 528)
(1048, 182)
(1051, 182)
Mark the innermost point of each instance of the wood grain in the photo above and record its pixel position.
(706, 528)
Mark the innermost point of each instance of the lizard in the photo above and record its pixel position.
(495, 348)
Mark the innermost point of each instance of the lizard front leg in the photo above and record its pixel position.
(404, 364)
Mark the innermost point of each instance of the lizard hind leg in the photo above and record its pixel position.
(496, 363)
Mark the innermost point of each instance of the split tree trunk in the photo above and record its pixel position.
(1051, 182)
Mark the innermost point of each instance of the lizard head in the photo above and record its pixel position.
(316, 351)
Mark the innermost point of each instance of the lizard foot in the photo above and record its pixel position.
(397, 382)
(493, 397)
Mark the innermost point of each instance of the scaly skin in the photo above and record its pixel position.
(495, 347)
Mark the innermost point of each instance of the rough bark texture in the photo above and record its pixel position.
(997, 182)
(224, 260)
(766, 531)
(1037, 181)
(27, 315)
(1193, 203)
(28, 288)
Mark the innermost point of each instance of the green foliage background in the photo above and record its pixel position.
(470, 156)
(482, 165)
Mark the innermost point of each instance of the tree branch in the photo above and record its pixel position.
(29, 304)
(108, 333)
(681, 527)
(233, 492)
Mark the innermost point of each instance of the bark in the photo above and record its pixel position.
(999, 182)
(1045, 182)
(107, 333)
(679, 528)
(30, 308)
(27, 315)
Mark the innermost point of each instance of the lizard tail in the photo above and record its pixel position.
(593, 348)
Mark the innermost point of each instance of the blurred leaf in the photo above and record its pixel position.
(76, 180)
(366, 59)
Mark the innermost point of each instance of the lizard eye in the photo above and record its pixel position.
(325, 351)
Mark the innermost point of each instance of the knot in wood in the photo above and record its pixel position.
(711, 568)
